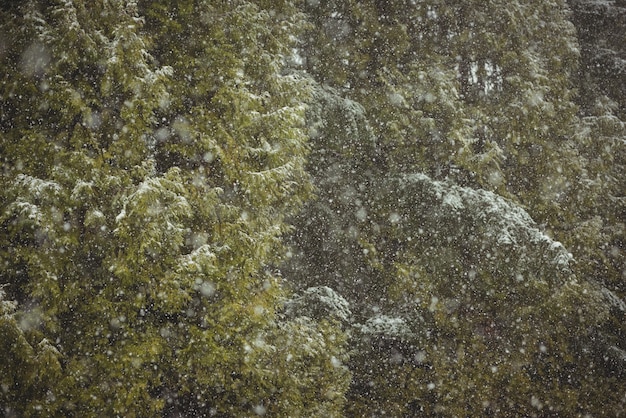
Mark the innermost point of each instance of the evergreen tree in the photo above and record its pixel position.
(33, 369)
(600, 28)
(458, 315)
(466, 84)
(154, 154)
(598, 230)
(145, 183)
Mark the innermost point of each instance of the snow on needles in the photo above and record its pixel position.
(482, 221)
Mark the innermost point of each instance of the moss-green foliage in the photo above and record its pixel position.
(150, 154)
(595, 230)
(480, 93)
(496, 323)
(494, 319)
(28, 366)
(601, 138)
(469, 90)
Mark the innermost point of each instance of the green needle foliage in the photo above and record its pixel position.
(150, 155)
(460, 307)
(440, 182)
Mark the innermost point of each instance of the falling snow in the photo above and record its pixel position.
(375, 208)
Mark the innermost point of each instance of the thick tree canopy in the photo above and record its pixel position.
(312, 208)
(146, 181)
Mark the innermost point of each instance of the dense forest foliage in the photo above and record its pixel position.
(312, 208)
